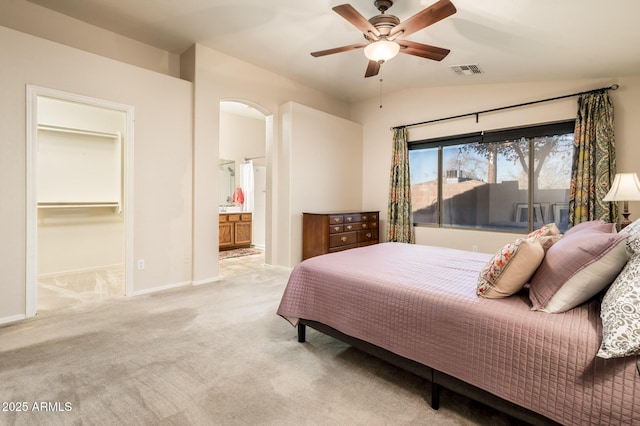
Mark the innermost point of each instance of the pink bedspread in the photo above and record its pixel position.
(419, 302)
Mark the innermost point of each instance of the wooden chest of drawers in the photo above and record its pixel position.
(335, 231)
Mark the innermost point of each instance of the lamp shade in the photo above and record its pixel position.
(381, 50)
(625, 187)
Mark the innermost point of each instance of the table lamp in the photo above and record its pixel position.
(625, 187)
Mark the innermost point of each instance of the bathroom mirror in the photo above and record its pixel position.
(226, 181)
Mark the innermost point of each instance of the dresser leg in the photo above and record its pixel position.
(302, 332)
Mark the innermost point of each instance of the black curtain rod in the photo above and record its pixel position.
(602, 89)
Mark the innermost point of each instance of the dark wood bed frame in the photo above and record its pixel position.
(435, 377)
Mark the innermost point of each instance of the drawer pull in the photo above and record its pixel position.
(368, 234)
(349, 227)
(336, 228)
(364, 226)
(336, 219)
(343, 239)
(364, 217)
(349, 219)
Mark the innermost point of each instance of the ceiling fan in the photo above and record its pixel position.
(385, 33)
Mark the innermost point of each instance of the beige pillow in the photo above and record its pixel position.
(511, 268)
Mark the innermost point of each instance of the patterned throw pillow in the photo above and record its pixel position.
(510, 268)
(633, 231)
(620, 313)
(547, 235)
(633, 228)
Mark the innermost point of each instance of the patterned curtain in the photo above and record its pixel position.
(400, 226)
(594, 161)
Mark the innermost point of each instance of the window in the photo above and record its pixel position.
(511, 180)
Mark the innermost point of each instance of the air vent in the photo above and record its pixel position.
(466, 69)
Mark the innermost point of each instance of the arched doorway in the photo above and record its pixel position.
(245, 134)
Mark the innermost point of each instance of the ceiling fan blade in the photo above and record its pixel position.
(373, 68)
(338, 49)
(426, 17)
(356, 19)
(422, 50)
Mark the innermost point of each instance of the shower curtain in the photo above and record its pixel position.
(247, 185)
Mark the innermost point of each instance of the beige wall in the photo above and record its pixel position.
(176, 152)
(177, 137)
(419, 105)
(162, 156)
(32, 19)
(323, 153)
(218, 77)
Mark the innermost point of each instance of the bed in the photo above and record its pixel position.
(417, 307)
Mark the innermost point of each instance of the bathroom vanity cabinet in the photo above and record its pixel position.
(234, 230)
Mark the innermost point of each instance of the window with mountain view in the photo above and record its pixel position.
(511, 180)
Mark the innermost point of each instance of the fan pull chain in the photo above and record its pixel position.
(380, 93)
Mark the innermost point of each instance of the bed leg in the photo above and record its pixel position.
(435, 395)
(302, 332)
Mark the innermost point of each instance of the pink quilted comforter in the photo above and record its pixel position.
(419, 302)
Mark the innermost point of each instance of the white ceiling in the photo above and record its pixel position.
(510, 40)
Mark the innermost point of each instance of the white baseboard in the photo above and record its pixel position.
(206, 281)
(14, 318)
(160, 288)
(81, 271)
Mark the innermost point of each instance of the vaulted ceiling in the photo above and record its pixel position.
(509, 40)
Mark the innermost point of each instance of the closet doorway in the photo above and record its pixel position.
(244, 130)
(79, 200)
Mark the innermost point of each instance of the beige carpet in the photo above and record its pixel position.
(209, 355)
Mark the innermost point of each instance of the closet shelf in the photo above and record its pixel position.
(79, 205)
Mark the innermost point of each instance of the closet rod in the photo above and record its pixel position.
(602, 89)
(252, 158)
(61, 129)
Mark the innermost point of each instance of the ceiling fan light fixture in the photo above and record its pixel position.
(381, 50)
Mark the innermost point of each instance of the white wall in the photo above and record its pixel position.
(323, 154)
(242, 137)
(162, 156)
(260, 206)
(419, 105)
